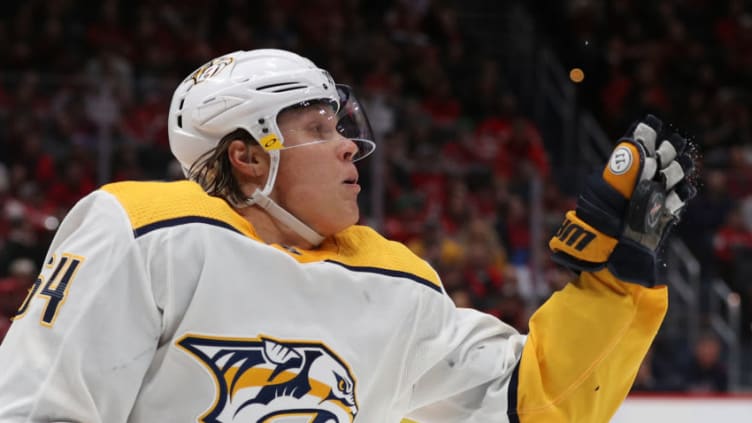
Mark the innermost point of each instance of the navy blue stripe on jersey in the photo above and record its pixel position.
(512, 395)
(389, 272)
(181, 221)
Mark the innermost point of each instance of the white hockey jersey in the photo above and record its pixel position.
(160, 304)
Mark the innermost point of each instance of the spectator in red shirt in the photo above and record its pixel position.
(733, 250)
(732, 242)
(440, 103)
(485, 259)
(38, 164)
(71, 186)
(522, 153)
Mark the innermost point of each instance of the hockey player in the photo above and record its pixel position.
(248, 294)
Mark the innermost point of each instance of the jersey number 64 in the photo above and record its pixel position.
(53, 290)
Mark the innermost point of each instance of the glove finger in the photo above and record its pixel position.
(669, 149)
(686, 191)
(679, 142)
(674, 203)
(681, 168)
(653, 122)
(687, 163)
(649, 168)
(677, 199)
(646, 134)
(671, 175)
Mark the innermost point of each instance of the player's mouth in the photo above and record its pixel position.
(352, 183)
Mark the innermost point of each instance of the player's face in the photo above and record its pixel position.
(318, 181)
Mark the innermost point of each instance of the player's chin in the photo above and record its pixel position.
(346, 216)
(337, 220)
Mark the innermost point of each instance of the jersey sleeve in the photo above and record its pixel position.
(577, 363)
(460, 367)
(585, 346)
(82, 340)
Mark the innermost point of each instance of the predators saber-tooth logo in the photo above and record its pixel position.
(267, 380)
(210, 69)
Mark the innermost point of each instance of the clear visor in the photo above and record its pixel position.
(316, 122)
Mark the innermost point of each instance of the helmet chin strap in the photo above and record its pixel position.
(262, 200)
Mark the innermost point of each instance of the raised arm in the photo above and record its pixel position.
(587, 341)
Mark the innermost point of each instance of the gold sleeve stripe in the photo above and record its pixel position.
(393, 273)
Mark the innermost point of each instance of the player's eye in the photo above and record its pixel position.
(324, 132)
(342, 384)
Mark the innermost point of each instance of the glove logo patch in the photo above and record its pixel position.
(656, 206)
(571, 233)
(621, 161)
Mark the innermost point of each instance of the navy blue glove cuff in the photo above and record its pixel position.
(632, 262)
(577, 265)
(602, 207)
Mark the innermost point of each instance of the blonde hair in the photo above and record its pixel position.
(213, 170)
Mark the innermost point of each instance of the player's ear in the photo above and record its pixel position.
(248, 159)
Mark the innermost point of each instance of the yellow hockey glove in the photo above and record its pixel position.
(625, 212)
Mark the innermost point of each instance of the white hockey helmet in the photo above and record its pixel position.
(247, 90)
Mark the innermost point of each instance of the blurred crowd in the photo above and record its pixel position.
(462, 161)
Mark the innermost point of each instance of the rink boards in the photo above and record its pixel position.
(685, 409)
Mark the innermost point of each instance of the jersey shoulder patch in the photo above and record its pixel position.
(154, 205)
